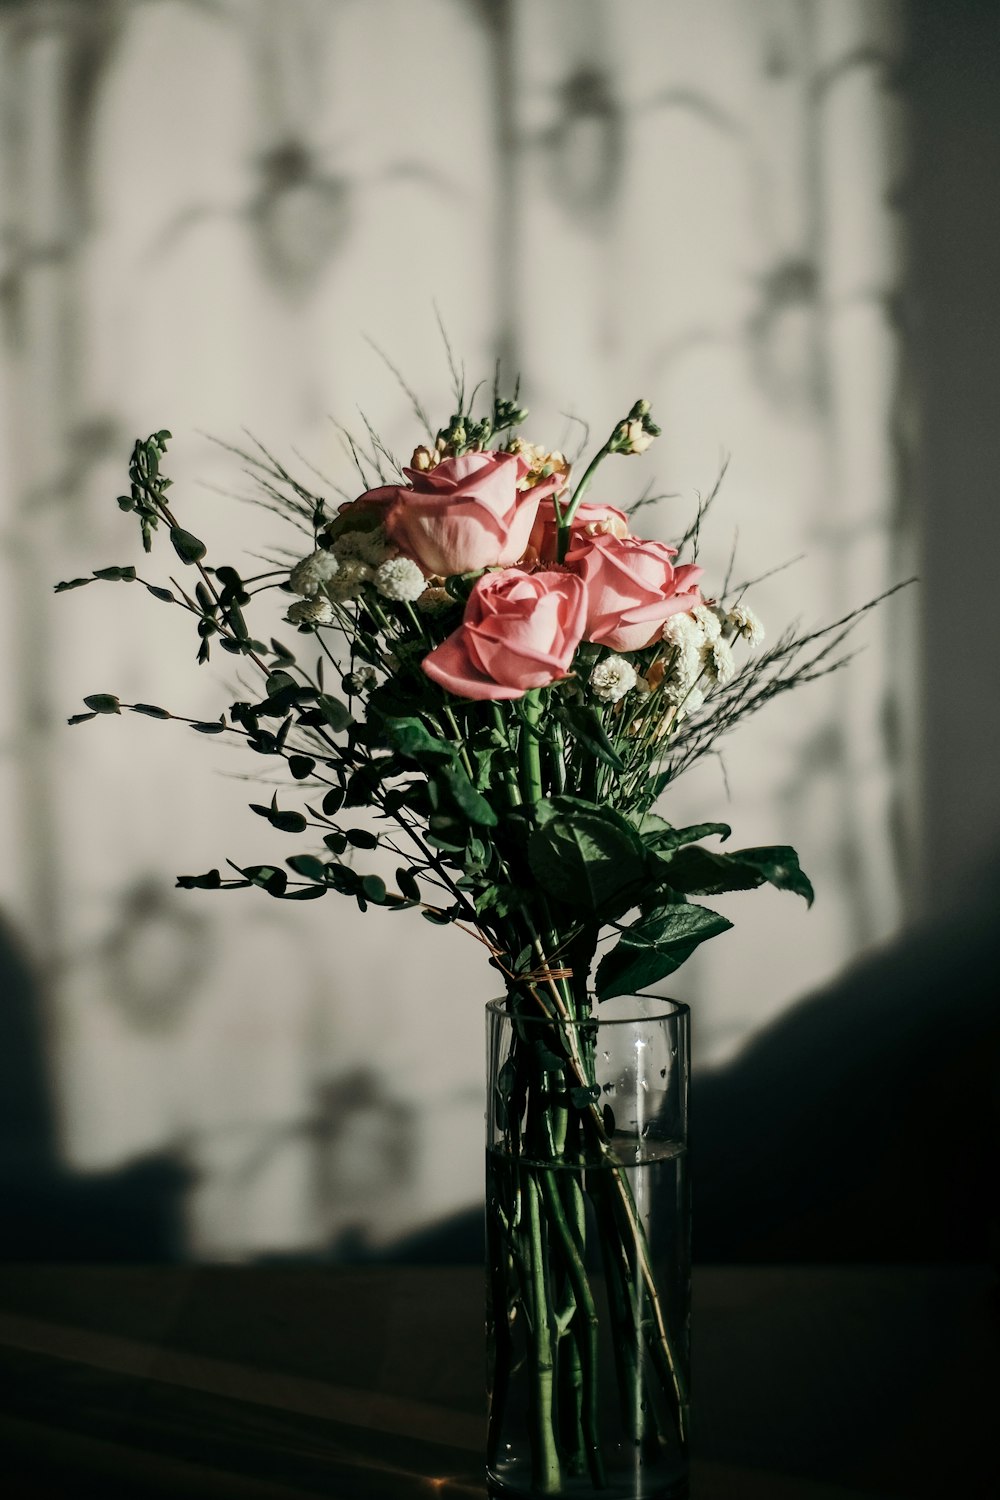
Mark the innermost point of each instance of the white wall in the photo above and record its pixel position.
(689, 201)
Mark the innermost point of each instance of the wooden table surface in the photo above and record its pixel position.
(271, 1383)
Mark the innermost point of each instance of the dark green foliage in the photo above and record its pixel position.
(585, 725)
(589, 856)
(654, 947)
(190, 549)
(210, 882)
(700, 872)
(103, 703)
(288, 822)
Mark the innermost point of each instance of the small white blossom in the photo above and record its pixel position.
(719, 663)
(709, 622)
(400, 578)
(317, 611)
(309, 575)
(361, 679)
(612, 678)
(684, 631)
(693, 701)
(633, 436)
(350, 580)
(744, 622)
(688, 639)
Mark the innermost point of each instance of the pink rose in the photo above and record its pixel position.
(519, 632)
(589, 520)
(632, 588)
(465, 514)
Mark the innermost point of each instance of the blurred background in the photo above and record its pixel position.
(778, 221)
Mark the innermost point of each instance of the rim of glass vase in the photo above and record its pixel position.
(661, 1008)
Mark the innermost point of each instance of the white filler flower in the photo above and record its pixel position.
(350, 580)
(612, 678)
(309, 575)
(743, 621)
(318, 611)
(709, 621)
(400, 578)
(719, 663)
(361, 679)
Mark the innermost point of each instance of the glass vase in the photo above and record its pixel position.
(588, 1250)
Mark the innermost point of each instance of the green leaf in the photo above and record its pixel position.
(779, 866)
(361, 838)
(584, 722)
(587, 856)
(80, 718)
(301, 766)
(407, 882)
(302, 893)
(269, 878)
(280, 700)
(335, 842)
(374, 888)
(115, 575)
(700, 872)
(188, 548)
(103, 703)
(151, 711)
(650, 826)
(209, 882)
(470, 802)
(333, 801)
(71, 583)
(696, 831)
(336, 714)
(411, 738)
(654, 947)
(288, 822)
(308, 866)
(159, 593)
(209, 727)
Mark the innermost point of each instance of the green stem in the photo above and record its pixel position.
(546, 1469)
(566, 519)
(586, 1316)
(530, 750)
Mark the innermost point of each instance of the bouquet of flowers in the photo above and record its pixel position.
(509, 678)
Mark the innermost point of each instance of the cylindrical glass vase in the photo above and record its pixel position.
(588, 1250)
